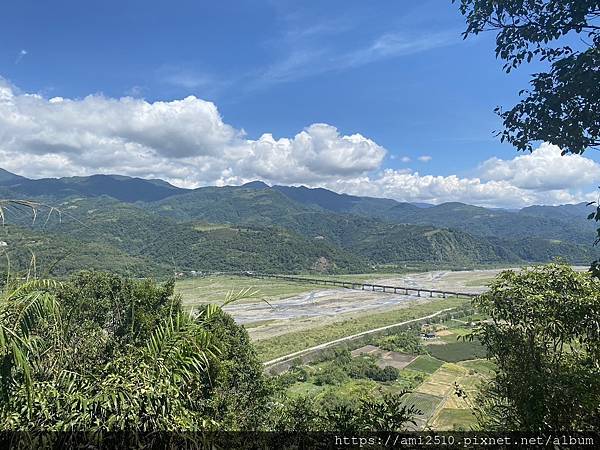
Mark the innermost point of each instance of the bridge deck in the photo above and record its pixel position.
(363, 286)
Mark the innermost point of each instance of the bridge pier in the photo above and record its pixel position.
(356, 285)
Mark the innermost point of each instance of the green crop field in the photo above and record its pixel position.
(213, 289)
(425, 363)
(304, 389)
(482, 366)
(457, 351)
(425, 403)
(454, 419)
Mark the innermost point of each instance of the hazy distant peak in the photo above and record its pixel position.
(9, 177)
(257, 184)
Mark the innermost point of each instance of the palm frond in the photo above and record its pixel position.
(181, 346)
(232, 296)
(32, 286)
(21, 311)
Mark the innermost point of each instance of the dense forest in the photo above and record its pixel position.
(111, 222)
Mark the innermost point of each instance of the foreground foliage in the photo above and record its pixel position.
(104, 353)
(562, 106)
(101, 353)
(544, 336)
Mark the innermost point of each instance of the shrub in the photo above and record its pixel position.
(403, 342)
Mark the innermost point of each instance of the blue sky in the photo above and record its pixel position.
(397, 73)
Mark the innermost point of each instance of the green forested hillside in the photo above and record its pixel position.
(229, 204)
(499, 223)
(279, 229)
(212, 247)
(408, 243)
(60, 254)
(339, 203)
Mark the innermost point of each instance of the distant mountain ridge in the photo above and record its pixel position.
(131, 189)
(152, 220)
(123, 188)
(7, 177)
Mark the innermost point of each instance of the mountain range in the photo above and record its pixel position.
(150, 227)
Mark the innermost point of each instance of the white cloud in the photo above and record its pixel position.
(188, 143)
(303, 60)
(185, 141)
(312, 155)
(397, 44)
(424, 158)
(543, 169)
(413, 187)
(21, 55)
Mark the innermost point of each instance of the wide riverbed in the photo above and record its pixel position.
(322, 306)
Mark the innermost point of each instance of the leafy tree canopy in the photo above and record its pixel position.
(563, 104)
(544, 335)
(104, 353)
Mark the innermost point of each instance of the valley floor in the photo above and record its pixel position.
(285, 317)
(282, 307)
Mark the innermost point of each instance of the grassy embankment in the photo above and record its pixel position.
(289, 343)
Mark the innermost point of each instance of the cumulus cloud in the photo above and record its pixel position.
(188, 143)
(543, 169)
(414, 187)
(424, 158)
(185, 141)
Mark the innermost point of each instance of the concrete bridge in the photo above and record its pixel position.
(419, 292)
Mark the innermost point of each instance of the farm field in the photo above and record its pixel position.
(450, 344)
(214, 289)
(433, 394)
(425, 363)
(457, 351)
(432, 378)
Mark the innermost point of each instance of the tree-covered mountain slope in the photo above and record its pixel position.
(553, 224)
(285, 229)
